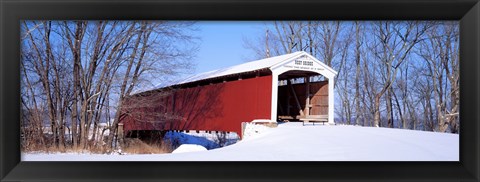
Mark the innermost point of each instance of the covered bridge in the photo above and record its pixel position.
(286, 87)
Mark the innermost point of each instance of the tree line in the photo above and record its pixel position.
(396, 74)
(74, 75)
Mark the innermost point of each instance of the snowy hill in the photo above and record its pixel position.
(294, 142)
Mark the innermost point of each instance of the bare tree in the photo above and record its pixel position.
(358, 45)
(440, 54)
(394, 42)
(79, 63)
(38, 52)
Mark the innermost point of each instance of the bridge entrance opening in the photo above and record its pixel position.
(301, 95)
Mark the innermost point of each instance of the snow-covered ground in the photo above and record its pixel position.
(189, 148)
(294, 142)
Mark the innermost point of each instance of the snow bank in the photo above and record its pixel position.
(294, 142)
(189, 148)
(253, 130)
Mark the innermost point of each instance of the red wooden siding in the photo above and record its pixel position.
(215, 107)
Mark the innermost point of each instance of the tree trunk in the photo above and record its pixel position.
(389, 108)
(376, 120)
(76, 51)
(357, 73)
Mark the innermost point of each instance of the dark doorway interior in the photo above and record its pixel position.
(301, 94)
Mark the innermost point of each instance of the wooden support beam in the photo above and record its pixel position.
(299, 107)
(307, 96)
(288, 101)
(120, 130)
(280, 108)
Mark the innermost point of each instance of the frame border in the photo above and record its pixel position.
(467, 11)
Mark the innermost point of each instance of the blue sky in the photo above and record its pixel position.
(222, 43)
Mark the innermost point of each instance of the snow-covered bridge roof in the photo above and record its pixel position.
(248, 67)
(241, 68)
(267, 63)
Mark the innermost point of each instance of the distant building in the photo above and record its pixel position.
(286, 87)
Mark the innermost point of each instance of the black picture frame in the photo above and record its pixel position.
(466, 11)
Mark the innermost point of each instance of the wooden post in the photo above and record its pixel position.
(296, 98)
(280, 108)
(288, 99)
(244, 125)
(120, 131)
(307, 96)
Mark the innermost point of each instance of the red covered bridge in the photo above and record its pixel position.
(287, 87)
